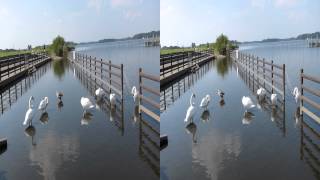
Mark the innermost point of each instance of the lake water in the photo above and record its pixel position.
(67, 146)
(274, 144)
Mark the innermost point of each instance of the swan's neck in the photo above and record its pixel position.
(30, 103)
(191, 100)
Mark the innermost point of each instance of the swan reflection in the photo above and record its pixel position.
(44, 118)
(86, 118)
(222, 102)
(205, 116)
(30, 131)
(191, 128)
(135, 115)
(247, 118)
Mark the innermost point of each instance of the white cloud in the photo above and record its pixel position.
(95, 4)
(123, 3)
(258, 3)
(285, 3)
(131, 15)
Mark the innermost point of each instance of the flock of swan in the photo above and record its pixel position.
(85, 102)
(246, 102)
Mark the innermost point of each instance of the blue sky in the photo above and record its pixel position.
(183, 22)
(38, 21)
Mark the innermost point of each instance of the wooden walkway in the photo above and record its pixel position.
(14, 67)
(175, 65)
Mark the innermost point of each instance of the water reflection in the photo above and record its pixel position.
(44, 118)
(173, 91)
(191, 128)
(30, 131)
(205, 116)
(59, 67)
(87, 117)
(214, 149)
(310, 145)
(247, 117)
(135, 115)
(222, 102)
(52, 152)
(10, 94)
(149, 145)
(223, 65)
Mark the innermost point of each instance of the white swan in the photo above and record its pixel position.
(134, 93)
(112, 99)
(30, 113)
(43, 103)
(205, 101)
(273, 99)
(100, 93)
(261, 92)
(191, 110)
(86, 104)
(247, 103)
(296, 93)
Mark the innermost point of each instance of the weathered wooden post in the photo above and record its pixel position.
(122, 84)
(8, 68)
(171, 64)
(284, 81)
(272, 76)
(140, 90)
(95, 69)
(0, 70)
(264, 71)
(90, 63)
(101, 68)
(301, 90)
(163, 70)
(110, 76)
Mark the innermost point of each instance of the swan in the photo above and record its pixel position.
(100, 93)
(30, 113)
(86, 103)
(191, 110)
(261, 92)
(220, 93)
(43, 104)
(296, 93)
(247, 103)
(112, 98)
(59, 94)
(273, 99)
(134, 93)
(205, 101)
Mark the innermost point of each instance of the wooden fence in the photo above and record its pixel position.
(173, 63)
(13, 91)
(144, 99)
(267, 74)
(278, 116)
(171, 92)
(116, 114)
(13, 67)
(108, 75)
(311, 91)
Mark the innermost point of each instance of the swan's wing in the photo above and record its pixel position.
(190, 113)
(203, 101)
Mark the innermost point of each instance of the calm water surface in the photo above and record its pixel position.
(272, 145)
(63, 147)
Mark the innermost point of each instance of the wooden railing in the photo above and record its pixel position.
(175, 62)
(117, 114)
(172, 92)
(267, 74)
(304, 99)
(109, 76)
(144, 99)
(12, 65)
(13, 91)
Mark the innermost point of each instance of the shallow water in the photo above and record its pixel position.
(66, 146)
(270, 145)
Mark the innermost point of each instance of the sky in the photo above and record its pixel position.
(37, 22)
(183, 22)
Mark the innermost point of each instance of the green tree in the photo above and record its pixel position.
(222, 44)
(57, 46)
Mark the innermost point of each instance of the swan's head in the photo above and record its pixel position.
(134, 90)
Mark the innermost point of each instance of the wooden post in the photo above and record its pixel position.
(272, 75)
(163, 71)
(284, 81)
(101, 68)
(90, 63)
(264, 73)
(110, 76)
(171, 64)
(140, 89)
(95, 69)
(301, 89)
(122, 84)
(0, 70)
